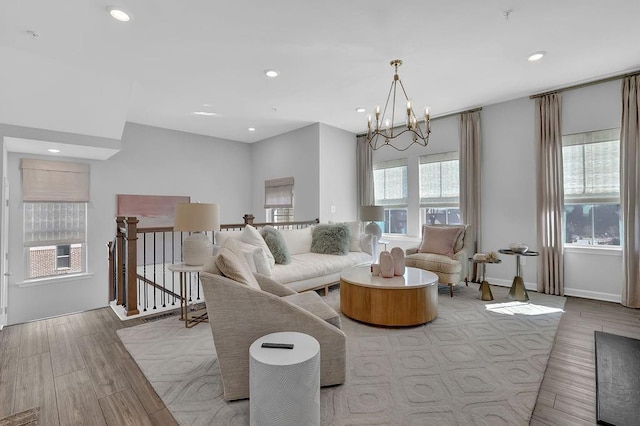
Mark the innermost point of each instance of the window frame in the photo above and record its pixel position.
(592, 199)
(393, 204)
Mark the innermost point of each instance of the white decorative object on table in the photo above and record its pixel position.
(285, 383)
(519, 247)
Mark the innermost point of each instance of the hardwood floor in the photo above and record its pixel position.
(568, 392)
(76, 370)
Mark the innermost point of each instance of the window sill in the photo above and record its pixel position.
(54, 280)
(594, 250)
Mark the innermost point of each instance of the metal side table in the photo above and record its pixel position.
(184, 270)
(518, 291)
(484, 291)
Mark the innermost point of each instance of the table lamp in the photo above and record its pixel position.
(196, 218)
(373, 214)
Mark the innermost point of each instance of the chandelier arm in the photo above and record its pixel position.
(386, 105)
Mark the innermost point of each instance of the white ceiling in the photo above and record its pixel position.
(87, 73)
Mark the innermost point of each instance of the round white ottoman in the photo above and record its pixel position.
(284, 384)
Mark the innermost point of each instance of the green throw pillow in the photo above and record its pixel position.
(276, 244)
(331, 239)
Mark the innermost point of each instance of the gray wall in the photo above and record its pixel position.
(338, 177)
(297, 154)
(152, 161)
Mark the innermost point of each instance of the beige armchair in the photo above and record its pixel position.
(240, 314)
(450, 270)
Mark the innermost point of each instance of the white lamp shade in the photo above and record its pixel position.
(372, 213)
(196, 217)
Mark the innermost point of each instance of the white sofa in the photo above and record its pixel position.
(307, 270)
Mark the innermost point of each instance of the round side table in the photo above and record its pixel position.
(484, 291)
(518, 292)
(284, 384)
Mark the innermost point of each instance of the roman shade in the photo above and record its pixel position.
(54, 181)
(390, 182)
(278, 193)
(439, 179)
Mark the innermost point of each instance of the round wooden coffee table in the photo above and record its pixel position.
(411, 299)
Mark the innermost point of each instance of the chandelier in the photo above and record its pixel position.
(382, 131)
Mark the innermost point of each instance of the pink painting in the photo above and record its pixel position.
(151, 210)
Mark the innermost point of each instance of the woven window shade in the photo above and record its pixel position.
(278, 193)
(52, 181)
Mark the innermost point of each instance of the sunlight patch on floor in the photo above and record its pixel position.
(521, 308)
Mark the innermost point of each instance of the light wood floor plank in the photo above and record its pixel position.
(124, 408)
(77, 400)
(106, 376)
(11, 336)
(65, 353)
(35, 388)
(163, 418)
(8, 379)
(35, 339)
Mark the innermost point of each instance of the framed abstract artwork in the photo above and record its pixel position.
(151, 210)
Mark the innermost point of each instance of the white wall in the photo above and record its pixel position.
(152, 161)
(509, 186)
(295, 153)
(338, 177)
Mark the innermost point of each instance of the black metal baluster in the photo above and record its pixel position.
(144, 268)
(154, 270)
(173, 257)
(164, 269)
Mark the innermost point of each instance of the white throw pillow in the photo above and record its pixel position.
(298, 240)
(222, 236)
(250, 235)
(259, 259)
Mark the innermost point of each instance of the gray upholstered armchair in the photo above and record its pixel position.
(450, 269)
(240, 314)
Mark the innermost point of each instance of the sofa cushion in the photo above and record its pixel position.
(310, 301)
(256, 257)
(305, 266)
(276, 244)
(233, 265)
(250, 235)
(433, 262)
(331, 239)
(222, 236)
(439, 239)
(297, 240)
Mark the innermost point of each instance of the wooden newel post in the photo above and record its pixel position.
(120, 226)
(111, 266)
(132, 267)
(248, 219)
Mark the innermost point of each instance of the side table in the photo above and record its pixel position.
(484, 291)
(284, 384)
(184, 269)
(518, 292)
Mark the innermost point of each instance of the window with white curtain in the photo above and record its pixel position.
(278, 199)
(55, 196)
(390, 191)
(440, 188)
(591, 168)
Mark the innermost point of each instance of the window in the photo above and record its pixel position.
(440, 189)
(55, 238)
(278, 199)
(390, 189)
(591, 168)
(55, 196)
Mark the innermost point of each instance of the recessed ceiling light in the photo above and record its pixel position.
(53, 150)
(360, 109)
(118, 14)
(208, 114)
(536, 56)
(271, 73)
(251, 129)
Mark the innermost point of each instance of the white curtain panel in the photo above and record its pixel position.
(550, 194)
(470, 177)
(629, 187)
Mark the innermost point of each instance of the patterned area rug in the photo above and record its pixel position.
(478, 363)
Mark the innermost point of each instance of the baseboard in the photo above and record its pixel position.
(596, 295)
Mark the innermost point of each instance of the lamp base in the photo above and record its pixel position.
(196, 249)
(373, 228)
